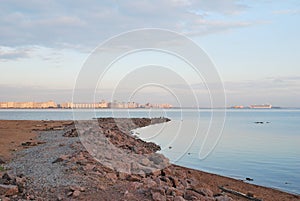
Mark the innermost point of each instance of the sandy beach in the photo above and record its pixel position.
(45, 160)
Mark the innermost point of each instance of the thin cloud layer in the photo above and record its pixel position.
(279, 91)
(86, 23)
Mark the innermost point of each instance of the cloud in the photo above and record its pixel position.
(87, 23)
(7, 53)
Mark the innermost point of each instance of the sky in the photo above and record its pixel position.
(254, 45)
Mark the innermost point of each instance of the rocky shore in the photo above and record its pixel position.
(54, 165)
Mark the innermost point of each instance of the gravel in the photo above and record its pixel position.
(36, 162)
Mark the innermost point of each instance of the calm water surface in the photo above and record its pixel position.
(268, 153)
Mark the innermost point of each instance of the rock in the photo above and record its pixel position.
(249, 179)
(184, 183)
(223, 198)
(250, 194)
(8, 190)
(76, 193)
(192, 195)
(77, 188)
(145, 162)
(2, 161)
(122, 175)
(166, 172)
(20, 182)
(101, 187)
(71, 133)
(175, 182)
(159, 190)
(4, 198)
(129, 196)
(156, 196)
(156, 159)
(179, 198)
(156, 173)
(7, 177)
(207, 192)
(136, 185)
(58, 160)
(89, 167)
(149, 183)
(111, 176)
(133, 178)
(32, 143)
(64, 157)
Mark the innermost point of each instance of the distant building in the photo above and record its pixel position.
(102, 104)
(28, 105)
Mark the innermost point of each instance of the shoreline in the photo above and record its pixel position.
(159, 185)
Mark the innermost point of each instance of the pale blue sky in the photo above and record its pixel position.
(255, 45)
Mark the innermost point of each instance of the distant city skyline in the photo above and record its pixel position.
(78, 105)
(254, 45)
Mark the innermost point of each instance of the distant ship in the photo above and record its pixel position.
(265, 106)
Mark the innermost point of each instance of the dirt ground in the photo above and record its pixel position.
(14, 133)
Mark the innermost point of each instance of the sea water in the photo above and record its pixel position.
(241, 147)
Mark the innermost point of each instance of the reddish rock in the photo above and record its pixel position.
(89, 167)
(2, 161)
(174, 181)
(166, 172)
(223, 198)
(64, 157)
(135, 185)
(20, 182)
(129, 196)
(76, 194)
(111, 176)
(3, 198)
(133, 177)
(193, 195)
(101, 187)
(149, 183)
(59, 198)
(160, 190)
(145, 162)
(77, 188)
(156, 196)
(8, 190)
(179, 198)
(206, 192)
(122, 175)
(156, 173)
